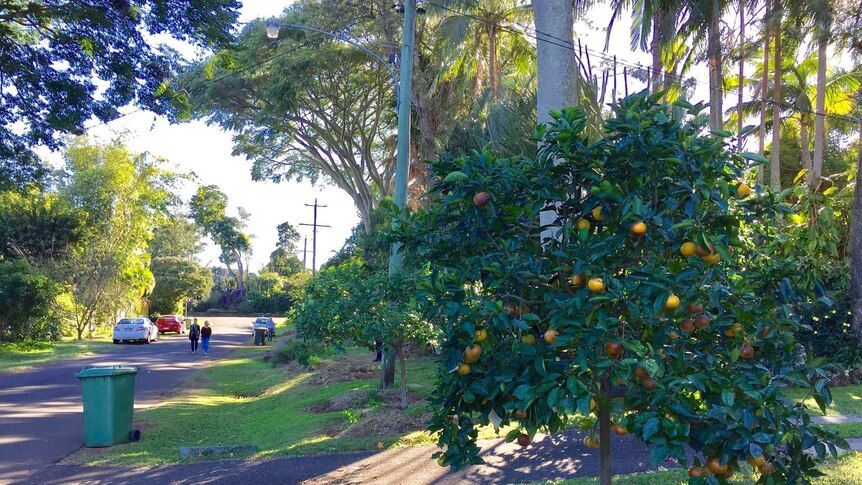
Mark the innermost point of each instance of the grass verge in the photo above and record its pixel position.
(846, 401)
(846, 470)
(24, 355)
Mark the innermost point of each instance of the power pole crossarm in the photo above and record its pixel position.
(314, 225)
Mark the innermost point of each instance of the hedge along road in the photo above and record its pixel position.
(41, 416)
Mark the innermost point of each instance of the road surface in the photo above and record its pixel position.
(41, 418)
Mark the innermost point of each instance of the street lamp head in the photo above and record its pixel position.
(272, 28)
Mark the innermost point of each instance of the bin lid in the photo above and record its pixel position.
(106, 371)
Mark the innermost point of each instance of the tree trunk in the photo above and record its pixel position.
(804, 143)
(775, 165)
(741, 74)
(556, 69)
(820, 107)
(657, 64)
(605, 471)
(856, 248)
(400, 351)
(716, 84)
(492, 63)
(387, 367)
(764, 88)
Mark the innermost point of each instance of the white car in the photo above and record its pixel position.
(135, 330)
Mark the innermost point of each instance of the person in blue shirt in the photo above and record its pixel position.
(270, 328)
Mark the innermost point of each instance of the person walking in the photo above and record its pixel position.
(206, 333)
(194, 335)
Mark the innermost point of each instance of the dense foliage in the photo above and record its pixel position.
(177, 281)
(544, 321)
(65, 62)
(26, 303)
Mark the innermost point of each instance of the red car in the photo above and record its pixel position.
(171, 323)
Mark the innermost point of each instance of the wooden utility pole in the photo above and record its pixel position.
(314, 226)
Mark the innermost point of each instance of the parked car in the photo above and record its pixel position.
(171, 323)
(135, 330)
(261, 322)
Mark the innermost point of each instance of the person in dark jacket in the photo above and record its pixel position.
(194, 335)
(206, 333)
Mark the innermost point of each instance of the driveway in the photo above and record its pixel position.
(41, 418)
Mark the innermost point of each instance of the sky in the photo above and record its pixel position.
(206, 151)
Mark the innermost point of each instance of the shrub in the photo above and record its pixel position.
(306, 352)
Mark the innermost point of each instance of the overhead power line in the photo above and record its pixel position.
(570, 45)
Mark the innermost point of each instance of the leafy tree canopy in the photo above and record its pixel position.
(38, 225)
(56, 53)
(177, 281)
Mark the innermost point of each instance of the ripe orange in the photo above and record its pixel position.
(620, 429)
(591, 441)
(639, 228)
(766, 468)
(649, 383)
(686, 325)
(579, 279)
(596, 284)
(520, 414)
(481, 335)
(472, 354)
(712, 258)
(524, 439)
(583, 224)
(463, 369)
(756, 461)
(695, 472)
(597, 214)
(742, 190)
(640, 372)
(687, 249)
(716, 467)
(747, 351)
(481, 199)
(701, 321)
(671, 302)
(613, 349)
(695, 307)
(550, 336)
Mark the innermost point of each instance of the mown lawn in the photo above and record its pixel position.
(846, 401)
(23, 355)
(846, 470)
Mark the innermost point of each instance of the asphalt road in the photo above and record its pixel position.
(41, 416)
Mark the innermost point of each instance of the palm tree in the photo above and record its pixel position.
(822, 13)
(775, 163)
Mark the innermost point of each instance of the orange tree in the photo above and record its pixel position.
(640, 304)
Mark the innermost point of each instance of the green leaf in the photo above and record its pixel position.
(727, 397)
(651, 428)
(755, 157)
(658, 454)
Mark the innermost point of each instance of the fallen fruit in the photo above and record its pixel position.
(524, 439)
(579, 279)
(550, 336)
(596, 284)
(591, 441)
(639, 228)
(481, 199)
(463, 369)
(671, 302)
(687, 249)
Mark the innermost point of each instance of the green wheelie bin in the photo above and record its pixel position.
(109, 401)
(260, 336)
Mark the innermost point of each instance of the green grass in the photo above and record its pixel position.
(846, 470)
(846, 401)
(244, 400)
(24, 355)
(846, 430)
